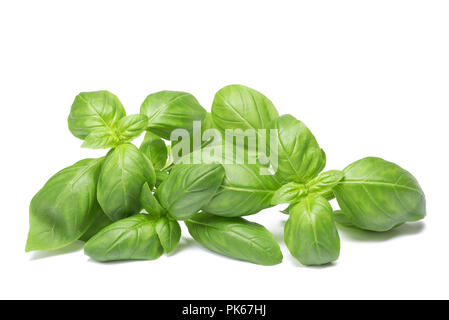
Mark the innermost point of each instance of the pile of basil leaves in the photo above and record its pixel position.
(127, 205)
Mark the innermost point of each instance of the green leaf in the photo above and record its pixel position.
(378, 195)
(124, 172)
(100, 221)
(133, 238)
(65, 207)
(310, 233)
(101, 139)
(149, 202)
(130, 127)
(235, 238)
(342, 219)
(169, 233)
(244, 191)
(91, 111)
(170, 110)
(240, 107)
(155, 149)
(300, 158)
(188, 188)
(289, 193)
(325, 183)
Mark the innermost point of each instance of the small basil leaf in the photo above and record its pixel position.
(65, 207)
(240, 107)
(94, 110)
(149, 202)
(169, 233)
(300, 158)
(310, 233)
(188, 188)
(124, 172)
(100, 221)
(170, 110)
(378, 195)
(155, 149)
(133, 238)
(130, 127)
(236, 238)
(101, 139)
(288, 193)
(325, 182)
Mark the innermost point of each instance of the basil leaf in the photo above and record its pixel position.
(149, 202)
(240, 107)
(300, 158)
(130, 127)
(310, 233)
(169, 233)
(99, 222)
(133, 238)
(101, 139)
(244, 191)
(124, 172)
(325, 182)
(188, 188)
(65, 207)
(342, 219)
(155, 149)
(235, 238)
(288, 193)
(378, 195)
(170, 110)
(94, 111)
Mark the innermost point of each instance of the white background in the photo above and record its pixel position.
(367, 77)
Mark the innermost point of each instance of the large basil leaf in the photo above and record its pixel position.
(244, 191)
(310, 233)
(169, 233)
(235, 238)
(65, 207)
(188, 188)
(133, 238)
(124, 172)
(378, 195)
(170, 110)
(155, 149)
(300, 158)
(240, 107)
(95, 111)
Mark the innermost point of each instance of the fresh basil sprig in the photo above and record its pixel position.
(100, 201)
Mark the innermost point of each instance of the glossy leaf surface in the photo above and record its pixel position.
(240, 107)
(188, 188)
(124, 172)
(65, 207)
(169, 233)
(378, 195)
(310, 233)
(97, 110)
(170, 110)
(300, 158)
(235, 238)
(133, 238)
(155, 149)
